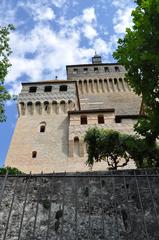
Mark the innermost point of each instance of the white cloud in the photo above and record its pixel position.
(101, 46)
(44, 13)
(122, 20)
(89, 15)
(57, 3)
(89, 32)
(42, 52)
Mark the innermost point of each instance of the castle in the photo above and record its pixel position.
(54, 116)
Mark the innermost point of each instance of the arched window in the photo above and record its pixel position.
(76, 147)
(83, 120)
(46, 107)
(42, 127)
(34, 154)
(100, 119)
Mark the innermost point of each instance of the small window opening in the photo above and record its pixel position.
(42, 128)
(48, 89)
(63, 88)
(106, 69)
(83, 120)
(85, 70)
(115, 81)
(46, 106)
(34, 154)
(96, 69)
(100, 119)
(117, 69)
(75, 71)
(118, 119)
(32, 89)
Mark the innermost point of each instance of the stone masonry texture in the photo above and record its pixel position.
(54, 104)
(96, 205)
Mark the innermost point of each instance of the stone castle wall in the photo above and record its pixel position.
(49, 138)
(103, 205)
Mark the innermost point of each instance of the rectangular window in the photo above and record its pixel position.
(75, 71)
(100, 119)
(32, 89)
(48, 89)
(85, 70)
(106, 69)
(117, 69)
(96, 69)
(34, 154)
(63, 88)
(83, 120)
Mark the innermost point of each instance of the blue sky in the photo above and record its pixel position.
(51, 34)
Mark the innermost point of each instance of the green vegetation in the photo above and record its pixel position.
(5, 64)
(116, 149)
(10, 170)
(138, 53)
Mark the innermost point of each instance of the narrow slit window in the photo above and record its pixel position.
(100, 119)
(83, 120)
(34, 154)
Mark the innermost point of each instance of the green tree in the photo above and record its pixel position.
(116, 149)
(106, 145)
(5, 64)
(138, 52)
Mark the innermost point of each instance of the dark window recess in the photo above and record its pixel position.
(83, 120)
(46, 106)
(63, 88)
(75, 71)
(117, 69)
(100, 119)
(32, 89)
(48, 89)
(34, 154)
(42, 129)
(85, 70)
(118, 120)
(115, 81)
(95, 69)
(106, 69)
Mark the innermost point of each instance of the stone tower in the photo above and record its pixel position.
(54, 115)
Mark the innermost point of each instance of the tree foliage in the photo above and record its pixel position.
(116, 149)
(108, 146)
(10, 170)
(138, 52)
(5, 64)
